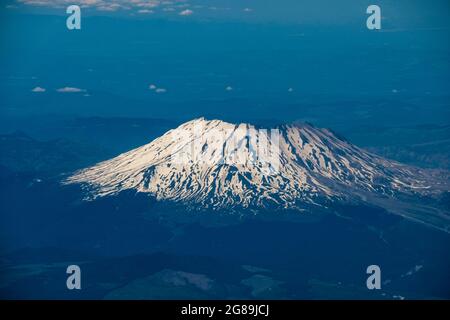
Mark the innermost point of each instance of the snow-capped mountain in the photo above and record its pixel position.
(220, 165)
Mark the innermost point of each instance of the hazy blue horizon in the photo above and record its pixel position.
(235, 60)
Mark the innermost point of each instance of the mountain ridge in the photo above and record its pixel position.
(218, 165)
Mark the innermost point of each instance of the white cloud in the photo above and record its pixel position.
(38, 89)
(290, 90)
(229, 88)
(146, 4)
(186, 12)
(70, 90)
(145, 11)
(141, 6)
(62, 3)
(154, 88)
(180, 7)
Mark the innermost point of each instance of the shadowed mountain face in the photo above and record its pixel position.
(113, 240)
(219, 165)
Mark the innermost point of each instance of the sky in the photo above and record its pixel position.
(396, 13)
(186, 57)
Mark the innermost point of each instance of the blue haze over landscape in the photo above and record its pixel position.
(72, 98)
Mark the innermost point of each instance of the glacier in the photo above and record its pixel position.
(215, 164)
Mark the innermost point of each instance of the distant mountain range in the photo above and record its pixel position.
(21, 153)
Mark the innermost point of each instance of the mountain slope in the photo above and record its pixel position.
(21, 153)
(215, 164)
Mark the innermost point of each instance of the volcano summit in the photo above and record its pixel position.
(219, 165)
